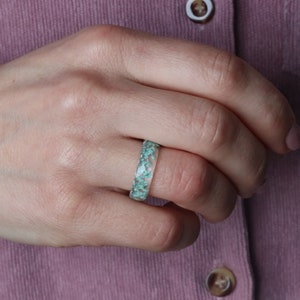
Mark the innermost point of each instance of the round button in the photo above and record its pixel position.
(199, 10)
(220, 282)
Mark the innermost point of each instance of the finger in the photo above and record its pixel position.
(192, 183)
(181, 177)
(113, 219)
(199, 126)
(208, 72)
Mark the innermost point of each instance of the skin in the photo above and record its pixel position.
(72, 117)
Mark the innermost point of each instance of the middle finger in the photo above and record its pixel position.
(181, 177)
(199, 126)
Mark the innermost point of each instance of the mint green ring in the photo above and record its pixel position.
(144, 172)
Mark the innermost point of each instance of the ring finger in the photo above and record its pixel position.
(181, 177)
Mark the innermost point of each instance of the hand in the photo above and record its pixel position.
(73, 115)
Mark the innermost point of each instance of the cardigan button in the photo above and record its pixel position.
(220, 282)
(199, 10)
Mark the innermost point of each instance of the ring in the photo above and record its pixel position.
(144, 172)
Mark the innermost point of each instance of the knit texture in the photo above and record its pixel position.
(261, 32)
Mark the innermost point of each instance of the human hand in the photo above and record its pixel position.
(73, 115)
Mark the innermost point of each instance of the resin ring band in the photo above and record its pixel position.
(144, 172)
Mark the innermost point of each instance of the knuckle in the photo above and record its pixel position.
(227, 72)
(218, 129)
(102, 43)
(256, 173)
(191, 180)
(81, 97)
(65, 160)
(99, 34)
(167, 233)
(64, 155)
(76, 95)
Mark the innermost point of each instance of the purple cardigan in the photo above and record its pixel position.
(259, 242)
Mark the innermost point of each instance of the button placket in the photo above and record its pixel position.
(219, 31)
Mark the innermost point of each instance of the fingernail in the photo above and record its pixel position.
(293, 138)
